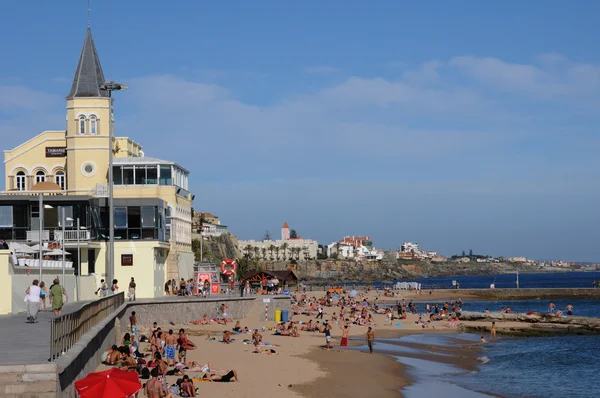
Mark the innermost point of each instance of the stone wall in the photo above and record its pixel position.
(516, 294)
(28, 381)
(180, 310)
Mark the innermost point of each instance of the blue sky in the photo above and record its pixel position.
(460, 125)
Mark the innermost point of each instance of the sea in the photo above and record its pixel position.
(559, 366)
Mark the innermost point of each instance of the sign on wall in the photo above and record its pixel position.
(56, 151)
(126, 259)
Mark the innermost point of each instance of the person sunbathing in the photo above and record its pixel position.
(228, 377)
(227, 337)
(237, 327)
(205, 320)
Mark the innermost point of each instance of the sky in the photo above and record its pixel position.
(462, 125)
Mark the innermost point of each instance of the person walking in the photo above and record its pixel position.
(56, 297)
(33, 301)
(103, 288)
(114, 288)
(43, 294)
(242, 288)
(131, 292)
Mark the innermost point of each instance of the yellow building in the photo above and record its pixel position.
(70, 169)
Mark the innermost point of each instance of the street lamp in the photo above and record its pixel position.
(41, 215)
(77, 280)
(111, 86)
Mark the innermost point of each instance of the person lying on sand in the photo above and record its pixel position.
(228, 377)
(227, 337)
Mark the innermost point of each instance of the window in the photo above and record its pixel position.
(68, 214)
(81, 124)
(140, 175)
(168, 223)
(120, 217)
(165, 175)
(128, 175)
(148, 217)
(20, 181)
(117, 175)
(93, 125)
(6, 216)
(134, 222)
(151, 175)
(40, 176)
(59, 178)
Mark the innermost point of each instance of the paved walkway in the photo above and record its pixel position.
(25, 343)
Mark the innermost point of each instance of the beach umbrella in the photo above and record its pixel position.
(353, 293)
(112, 383)
(24, 249)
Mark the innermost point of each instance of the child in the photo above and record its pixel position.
(132, 324)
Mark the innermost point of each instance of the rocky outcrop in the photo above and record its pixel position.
(577, 322)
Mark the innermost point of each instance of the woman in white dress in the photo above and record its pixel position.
(33, 301)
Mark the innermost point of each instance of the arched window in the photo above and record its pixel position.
(20, 181)
(93, 125)
(59, 178)
(40, 176)
(81, 124)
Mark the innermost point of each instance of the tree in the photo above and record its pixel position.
(470, 253)
(256, 252)
(264, 253)
(463, 254)
(284, 247)
(277, 252)
(267, 235)
(305, 252)
(293, 234)
(271, 248)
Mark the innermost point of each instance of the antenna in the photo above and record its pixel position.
(89, 10)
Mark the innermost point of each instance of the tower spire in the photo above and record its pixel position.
(88, 75)
(89, 10)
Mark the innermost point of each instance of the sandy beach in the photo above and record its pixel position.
(301, 366)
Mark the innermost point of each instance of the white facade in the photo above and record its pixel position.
(298, 249)
(366, 253)
(213, 229)
(408, 247)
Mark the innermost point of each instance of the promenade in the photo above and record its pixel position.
(29, 343)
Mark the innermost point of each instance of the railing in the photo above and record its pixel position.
(99, 191)
(68, 329)
(34, 236)
(71, 235)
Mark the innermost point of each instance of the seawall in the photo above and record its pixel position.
(57, 379)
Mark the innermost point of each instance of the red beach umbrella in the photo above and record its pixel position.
(112, 383)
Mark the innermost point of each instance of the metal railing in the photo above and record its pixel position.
(71, 235)
(68, 329)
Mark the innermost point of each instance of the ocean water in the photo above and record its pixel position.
(548, 367)
(581, 307)
(537, 280)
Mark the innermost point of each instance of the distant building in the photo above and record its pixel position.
(286, 248)
(285, 231)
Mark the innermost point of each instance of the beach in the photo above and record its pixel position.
(302, 367)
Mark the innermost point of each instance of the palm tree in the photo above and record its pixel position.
(256, 252)
(264, 253)
(277, 252)
(248, 251)
(284, 247)
(271, 248)
(305, 252)
(297, 250)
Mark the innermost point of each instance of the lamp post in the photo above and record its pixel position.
(62, 244)
(111, 86)
(78, 269)
(41, 215)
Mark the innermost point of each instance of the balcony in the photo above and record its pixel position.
(71, 235)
